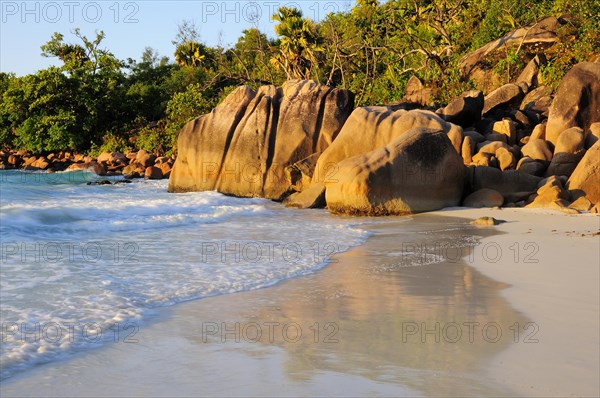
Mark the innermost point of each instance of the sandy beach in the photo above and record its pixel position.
(428, 306)
(554, 281)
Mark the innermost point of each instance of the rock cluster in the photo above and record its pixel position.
(306, 145)
(141, 164)
(516, 146)
(245, 144)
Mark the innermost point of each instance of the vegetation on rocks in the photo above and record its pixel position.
(95, 102)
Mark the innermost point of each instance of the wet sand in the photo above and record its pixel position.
(409, 313)
(552, 262)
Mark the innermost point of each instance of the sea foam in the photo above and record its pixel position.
(82, 264)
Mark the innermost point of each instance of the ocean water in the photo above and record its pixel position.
(83, 265)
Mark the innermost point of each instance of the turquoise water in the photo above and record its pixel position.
(82, 265)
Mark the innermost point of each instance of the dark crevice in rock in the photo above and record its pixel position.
(271, 138)
(239, 116)
(319, 119)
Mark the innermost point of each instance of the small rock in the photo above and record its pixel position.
(153, 173)
(508, 129)
(101, 182)
(468, 149)
(145, 158)
(506, 159)
(506, 96)
(581, 204)
(537, 149)
(313, 197)
(530, 166)
(486, 221)
(484, 197)
(539, 132)
(464, 110)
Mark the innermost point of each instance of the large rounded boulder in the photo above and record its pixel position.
(369, 128)
(577, 101)
(244, 145)
(418, 171)
(585, 180)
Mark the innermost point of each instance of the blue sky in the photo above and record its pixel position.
(130, 26)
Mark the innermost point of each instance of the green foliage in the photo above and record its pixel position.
(579, 39)
(494, 18)
(298, 45)
(72, 106)
(191, 53)
(110, 143)
(250, 59)
(157, 139)
(148, 90)
(97, 102)
(40, 111)
(509, 66)
(187, 105)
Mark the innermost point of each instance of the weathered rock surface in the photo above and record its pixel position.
(468, 149)
(417, 171)
(464, 110)
(243, 146)
(506, 182)
(537, 149)
(538, 100)
(567, 153)
(506, 159)
(310, 198)
(370, 128)
(112, 158)
(540, 33)
(585, 180)
(416, 93)
(529, 75)
(582, 204)
(300, 174)
(577, 101)
(550, 195)
(531, 166)
(153, 173)
(593, 135)
(484, 198)
(145, 158)
(507, 96)
(507, 128)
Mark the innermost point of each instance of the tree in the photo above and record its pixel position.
(86, 58)
(42, 111)
(298, 45)
(190, 53)
(73, 106)
(249, 59)
(147, 95)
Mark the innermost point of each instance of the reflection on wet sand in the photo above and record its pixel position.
(372, 314)
(383, 319)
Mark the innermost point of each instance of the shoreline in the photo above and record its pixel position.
(371, 300)
(560, 292)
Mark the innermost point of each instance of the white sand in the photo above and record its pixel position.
(558, 288)
(369, 297)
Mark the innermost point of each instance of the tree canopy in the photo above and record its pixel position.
(94, 101)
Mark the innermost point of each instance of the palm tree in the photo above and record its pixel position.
(190, 53)
(299, 43)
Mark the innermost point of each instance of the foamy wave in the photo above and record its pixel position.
(82, 255)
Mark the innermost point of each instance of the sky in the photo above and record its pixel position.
(131, 26)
